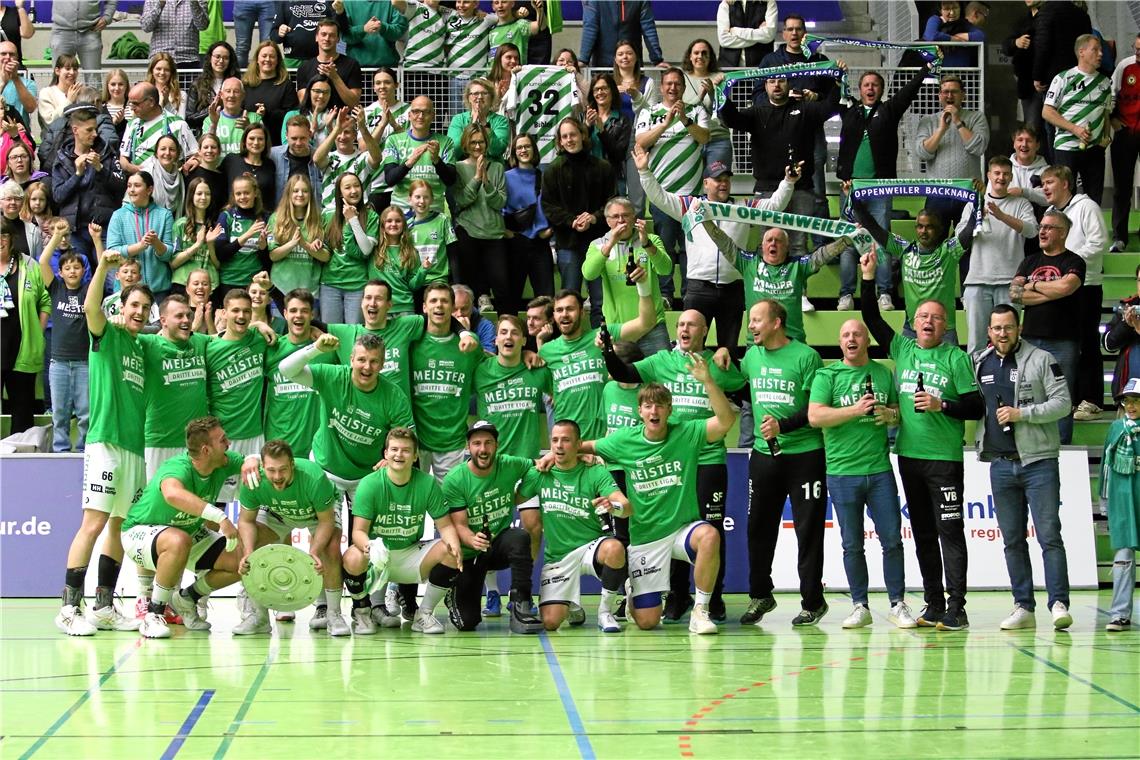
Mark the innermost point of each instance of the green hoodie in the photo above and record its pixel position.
(33, 301)
(377, 48)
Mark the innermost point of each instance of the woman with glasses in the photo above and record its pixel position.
(315, 108)
(480, 193)
(220, 65)
(610, 129)
(479, 97)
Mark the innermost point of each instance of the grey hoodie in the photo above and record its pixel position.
(80, 15)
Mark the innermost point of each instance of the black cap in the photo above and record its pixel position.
(483, 426)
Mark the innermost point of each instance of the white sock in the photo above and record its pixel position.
(703, 598)
(608, 601)
(331, 598)
(146, 585)
(433, 595)
(493, 581)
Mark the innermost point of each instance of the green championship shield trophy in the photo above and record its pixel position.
(282, 578)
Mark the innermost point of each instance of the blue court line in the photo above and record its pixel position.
(254, 687)
(1078, 679)
(80, 702)
(585, 749)
(188, 725)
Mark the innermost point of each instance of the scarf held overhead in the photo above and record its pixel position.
(786, 71)
(930, 53)
(706, 209)
(954, 189)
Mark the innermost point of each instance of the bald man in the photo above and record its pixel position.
(854, 401)
(228, 118)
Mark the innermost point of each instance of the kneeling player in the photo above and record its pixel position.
(572, 495)
(389, 507)
(165, 531)
(293, 493)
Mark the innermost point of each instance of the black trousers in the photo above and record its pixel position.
(20, 389)
(933, 491)
(527, 258)
(1090, 364)
(511, 548)
(1123, 154)
(722, 303)
(1088, 167)
(712, 485)
(482, 266)
(802, 478)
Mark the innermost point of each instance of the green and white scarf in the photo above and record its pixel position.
(930, 53)
(734, 212)
(786, 71)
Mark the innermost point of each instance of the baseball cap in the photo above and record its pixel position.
(483, 426)
(717, 169)
(1131, 388)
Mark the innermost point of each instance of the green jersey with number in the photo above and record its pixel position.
(578, 375)
(235, 378)
(785, 283)
(515, 32)
(396, 513)
(857, 446)
(246, 262)
(431, 236)
(779, 382)
(116, 368)
(399, 147)
(491, 497)
(442, 381)
(948, 374)
(676, 159)
(152, 507)
(511, 398)
(427, 28)
(175, 387)
(929, 276)
(399, 122)
(544, 96)
(466, 43)
(341, 163)
(228, 132)
(292, 409)
(566, 498)
(308, 493)
(352, 439)
(660, 476)
(1085, 100)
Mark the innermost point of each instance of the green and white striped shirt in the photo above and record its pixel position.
(540, 98)
(339, 164)
(425, 37)
(467, 43)
(676, 158)
(372, 116)
(1085, 100)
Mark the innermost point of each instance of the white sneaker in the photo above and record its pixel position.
(1018, 619)
(252, 624)
(383, 619)
(337, 625)
(885, 302)
(391, 603)
(320, 618)
(607, 623)
(485, 304)
(154, 626)
(1086, 411)
(806, 305)
(1116, 247)
(70, 620)
(142, 605)
(860, 617)
(110, 619)
(700, 622)
(900, 615)
(425, 622)
(189, 612)
(1061, 617)
(362, 624)
(846, 303)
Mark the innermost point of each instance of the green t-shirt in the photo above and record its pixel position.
(858, 446)
(298, 269)
(199, 260)
(396, 513)
(442, 381)
(153, 509)
(292, 409)
(402, 283)
(511, 398)
(620, 301)
(351, 440)
(516, 32)
(175, 388)
(492, 497)
(347, 267)
(929, 276)
(661, 477)
(399, 147)
(620, 405)
(690, 400)
(398, 335)
(116, 367)
(235, 379)
(785, 283)
(246, 261)
(431, 236)
(946, 373)
(779, 382)
(310, 492)
(578, 374)
(864, 167)
(567, 501)
(227, 130)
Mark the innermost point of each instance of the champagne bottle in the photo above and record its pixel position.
(919, 388)
(869, 390)
(1006, 428)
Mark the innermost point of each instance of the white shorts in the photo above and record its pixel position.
(282, 527)
(113, 479)
(562, 580)
(138, 544)
(439, 463)
(404, 564)
(249, 447)
(156, 457)
(649, 563)
(531, 503)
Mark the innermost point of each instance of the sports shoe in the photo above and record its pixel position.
(901, 617)
(254, 623)
(576, 616)
(142, 605)
(676, 607)
(1061, 617)
(954, 620)
(717, 611)
(485, 305)
(522, 620)
(607, 623)
(110, 619)
(203, 607)
(494, 606)
(757, 609)
(806, 305)
(154, 626)
(810, 617)
(426, 623)
(70, 620)
(1118, 624)
(1018, 619)
(1086, 411)
(320, 618)
(286, 617)
(189, 612)
(1116, 247)
(619, 611)
(885, 302)
(929, 618)
(391, 600)
(336, 624)
(846, 303)
(381, 618)
(860, 617)
(362, 624)
(700, 622)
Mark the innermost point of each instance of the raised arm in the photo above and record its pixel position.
(717, 426)
(880, 330)
(93, 303)
(296, 365)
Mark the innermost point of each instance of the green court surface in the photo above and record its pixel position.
(749, 692)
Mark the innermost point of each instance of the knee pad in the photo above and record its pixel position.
(443, 576)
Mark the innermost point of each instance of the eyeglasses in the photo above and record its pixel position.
(322, 91)
(1003, 328)
(1047, 227)
(480, 94)
(419, 111)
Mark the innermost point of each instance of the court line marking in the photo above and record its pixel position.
(188, 725)
(585, 749)
(82, 700)
(1078, 679)
(254, 687)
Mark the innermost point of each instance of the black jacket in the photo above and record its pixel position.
(302, 17)
(882, 126)
(1022, 59)
(95, 195)
(575, 183)
(1120, 337)
(749, 18)
(57, 133)
(614, 137)
(1055, 30)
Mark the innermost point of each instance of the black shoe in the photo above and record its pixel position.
(810, 617)
(929, 617)
(408, 607)
(522, 620)
(954, 620)
(453, 609)
(717, 612)
(757, 609)
(676, 608)
(619, 613)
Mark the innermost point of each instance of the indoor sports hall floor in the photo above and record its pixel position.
(747, 693)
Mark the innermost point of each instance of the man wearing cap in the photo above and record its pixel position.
(1120, 495)
(1025, 394)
